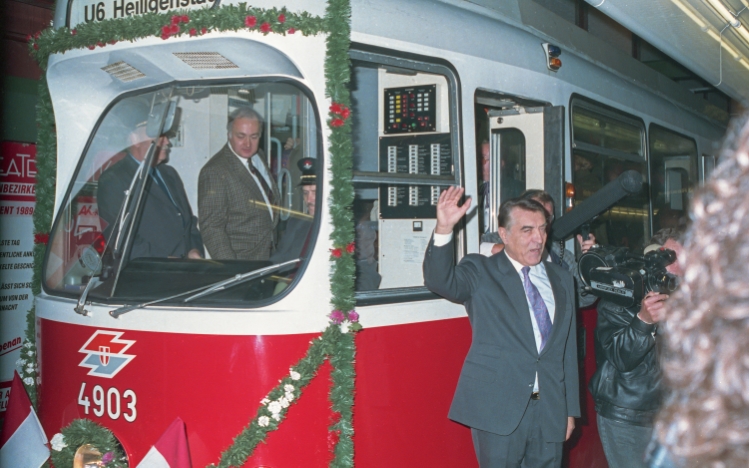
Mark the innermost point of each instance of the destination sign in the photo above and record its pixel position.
(87, 11)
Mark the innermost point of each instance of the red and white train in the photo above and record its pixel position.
(431, 80)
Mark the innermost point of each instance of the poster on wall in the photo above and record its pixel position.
(17, 201)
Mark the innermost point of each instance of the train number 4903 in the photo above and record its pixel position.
(109, 402)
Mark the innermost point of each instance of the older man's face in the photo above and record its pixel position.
(525, 236)
(244, 136)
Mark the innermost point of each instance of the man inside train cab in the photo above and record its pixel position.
(294, 240)
(166, 225)
(237, 195)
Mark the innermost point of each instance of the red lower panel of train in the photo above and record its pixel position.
(136, 383)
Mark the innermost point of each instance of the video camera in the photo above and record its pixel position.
(622, 277)
(615, 273)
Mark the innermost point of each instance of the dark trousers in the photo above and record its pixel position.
(623, 444)
(524, 447)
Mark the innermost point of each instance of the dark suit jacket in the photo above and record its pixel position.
(234, 218)
(497, 379)
(292, 241)
(164, 230)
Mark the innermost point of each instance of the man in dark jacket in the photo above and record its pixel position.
(626, 384)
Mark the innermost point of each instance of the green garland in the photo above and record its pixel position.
(337, 340)
(81, 432)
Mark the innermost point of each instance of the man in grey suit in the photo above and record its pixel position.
(237, 195)
(518, 389)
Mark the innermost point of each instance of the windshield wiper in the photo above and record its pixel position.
(210, 288)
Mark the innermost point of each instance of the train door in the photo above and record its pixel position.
(523, 151)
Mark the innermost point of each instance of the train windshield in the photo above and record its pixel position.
(186, 186)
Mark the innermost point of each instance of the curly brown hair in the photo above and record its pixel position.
(705, 418)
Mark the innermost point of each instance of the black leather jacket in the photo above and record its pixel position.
(626, 384)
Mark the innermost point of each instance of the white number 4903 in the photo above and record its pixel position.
(109, 402)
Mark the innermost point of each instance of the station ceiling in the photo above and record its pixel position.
(709, 37)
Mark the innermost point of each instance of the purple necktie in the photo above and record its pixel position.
(539, 306)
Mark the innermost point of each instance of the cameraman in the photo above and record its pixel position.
(626, 384)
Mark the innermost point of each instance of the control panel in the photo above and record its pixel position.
(429, 154)
(410, 109)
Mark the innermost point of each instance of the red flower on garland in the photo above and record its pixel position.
(333, 437)
(351, 247)
(28, 37)
(165, 31)
(281, 18)
(175, 29)
(203, 30)
(74, 32)
(335, 108)
(345, 113)
(292, 30)
(185, 19)
(36, 36)
(336, 123)
(336, 253)
(265, 27)
(36, 46)
(100, 44)
(193, 31)
(113, 41)
(41, 238)
(353, 316)
(91, 47)
(250, 21)
(176, 19)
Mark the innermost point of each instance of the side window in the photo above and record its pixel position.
(184, 187)
(673, 176)
(605, 143)
(404, 147)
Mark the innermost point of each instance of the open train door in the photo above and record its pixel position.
(527, 152)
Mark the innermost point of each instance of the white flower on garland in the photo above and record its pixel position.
(295, 375)
(264, 401)
(289, 396)
(288, 388)
(20, 363)
(30, 353)
(284, 402)
(58, 442)
(275, 408)
(263, 421)
(28, 381)
(27, 345)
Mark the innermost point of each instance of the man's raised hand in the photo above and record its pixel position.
(448, 211)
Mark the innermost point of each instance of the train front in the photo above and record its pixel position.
(145, 316)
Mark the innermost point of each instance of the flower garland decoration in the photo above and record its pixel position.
(82, 432)
(336, 342)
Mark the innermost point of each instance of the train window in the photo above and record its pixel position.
(183, 187)
(606, 143)
(673, 176)
(404, 146)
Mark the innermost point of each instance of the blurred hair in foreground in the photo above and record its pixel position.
(705, 418)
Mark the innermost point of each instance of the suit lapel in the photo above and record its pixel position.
(560, 301)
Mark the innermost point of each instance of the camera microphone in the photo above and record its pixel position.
(628, 183)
